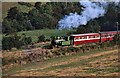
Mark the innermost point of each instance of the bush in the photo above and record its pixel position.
(48, 47)
(116, 39)
(41, 38)
(72, 49)
(8, 42)
(47, 39)
(28, 40)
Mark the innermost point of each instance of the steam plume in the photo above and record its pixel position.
(91, 10)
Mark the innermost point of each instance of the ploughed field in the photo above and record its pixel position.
(94, 63)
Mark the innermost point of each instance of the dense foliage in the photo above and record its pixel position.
(15, 41)
(41, 38)
(47, 15)
(104, 23)
(43, 15)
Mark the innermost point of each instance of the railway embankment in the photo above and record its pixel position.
(12, 59)
(93, 63)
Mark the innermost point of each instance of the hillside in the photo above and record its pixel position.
(47, 32)
(98, 63)
(7, 5)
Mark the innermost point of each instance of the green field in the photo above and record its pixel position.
(7, 5)
(47, 32)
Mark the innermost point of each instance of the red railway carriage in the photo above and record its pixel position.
(85, 38)
(108, 36)
(79, 39)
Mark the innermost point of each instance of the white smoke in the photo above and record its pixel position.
(90, 11)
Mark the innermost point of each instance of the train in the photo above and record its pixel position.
(79, 39)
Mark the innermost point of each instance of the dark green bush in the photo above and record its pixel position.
(28, 40)
(72, 49)
(41, 38)
(48, 47)
(47, 39)
(7, 43)
(15, 41)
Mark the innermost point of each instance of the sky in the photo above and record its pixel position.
(52, 0)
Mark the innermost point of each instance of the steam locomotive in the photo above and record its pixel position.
(78, 39)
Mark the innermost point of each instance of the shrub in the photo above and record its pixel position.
(48, 47)
(5, 61)
(116, 39)
(17, 42)
(41, 38)
(8, 42)
(47, 39)
(58, 53)
(53, 43)
(72, 49)
(28, 40)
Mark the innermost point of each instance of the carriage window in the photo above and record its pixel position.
(96, 36)
(103, 36)
(91, 36)
(80, 37)
(84, 37)
(76, 38)
(111, 34)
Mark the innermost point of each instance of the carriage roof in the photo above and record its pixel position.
(85, 34)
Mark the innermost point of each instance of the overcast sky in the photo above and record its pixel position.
(51, 0)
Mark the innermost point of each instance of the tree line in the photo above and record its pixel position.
(19, 41)
(108, 22)
(47, 15)
(42, 15)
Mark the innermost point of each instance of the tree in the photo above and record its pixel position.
(7, 26)
(58, 10)
(7, 43)
(81, 30)
(37, 5)
(12, 13)
(25, 4)
(108, 22)
(72, 7)
(34, 17)
(92, 27)
(16, 21)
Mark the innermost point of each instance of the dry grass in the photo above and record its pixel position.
(95, 64)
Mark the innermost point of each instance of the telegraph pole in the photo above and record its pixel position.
(117, 27)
